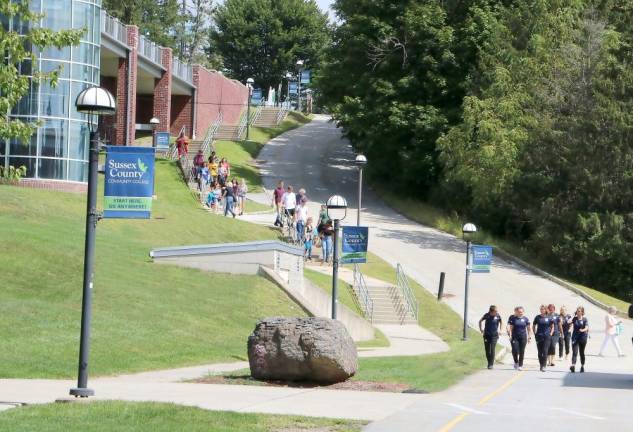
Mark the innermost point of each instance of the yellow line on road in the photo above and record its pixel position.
(451, 424)
(461, 416)
(501, 389)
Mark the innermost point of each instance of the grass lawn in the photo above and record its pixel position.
(145, 315)
(157, 417)
(451, 223)
(432, 372)
(241, 154)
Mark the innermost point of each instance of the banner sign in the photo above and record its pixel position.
(161, 140)
(305, 76)
(256, 97)
(354, 245)
(293, 87)
(129, 182)
(481, 259)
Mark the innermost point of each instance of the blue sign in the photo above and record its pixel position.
(354, 245)
(129, 182)
(293, 87)
(161, 140)
(305, 76)
(481, 259)
(256, 97)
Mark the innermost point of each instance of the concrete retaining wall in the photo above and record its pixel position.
(316, 302)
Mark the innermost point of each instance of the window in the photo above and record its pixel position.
(51, 169)
(79, 138)
(29, 163)
(24, 148)
(57, 14)
(78, 171)
(54, 101)
(53, 138)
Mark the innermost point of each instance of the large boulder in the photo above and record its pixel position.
(302, 349)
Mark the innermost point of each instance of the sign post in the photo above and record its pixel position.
(481, 259)
(129, 182)
(161, 140)
(354, 245)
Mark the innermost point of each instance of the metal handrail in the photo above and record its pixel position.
(281, 115)
(207, 143)
(182, 70)
(242, 125)
(362, 294)
(256, 115)
(113, 27)
(402, 283)
(150, 50)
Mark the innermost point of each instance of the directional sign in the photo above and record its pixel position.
(305, 76)
(481, 258)
(161, 140)
(292, 87)
(256, 97)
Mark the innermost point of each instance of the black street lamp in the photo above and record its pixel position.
(94, 101)
(336, 210)
(249, 85)
(467, 230)
(154, 122)
(360, 162)
(300, 69)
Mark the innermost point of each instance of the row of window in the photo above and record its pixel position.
(55, 169)
(44, 100)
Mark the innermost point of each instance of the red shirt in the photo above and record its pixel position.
(278, 193)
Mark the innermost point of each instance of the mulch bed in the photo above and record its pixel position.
(346, 385)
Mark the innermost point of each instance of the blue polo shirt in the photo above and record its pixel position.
(566, 323)
(519, 326)
(556, 319)
(543, 325)
(579, 324)
(491, 327)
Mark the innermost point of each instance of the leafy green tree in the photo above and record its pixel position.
(162, 21)
(263, 39)
(13, 85)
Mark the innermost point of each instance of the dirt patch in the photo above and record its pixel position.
(346, 385)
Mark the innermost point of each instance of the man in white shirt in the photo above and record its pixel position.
(301, 216)
(289, 201)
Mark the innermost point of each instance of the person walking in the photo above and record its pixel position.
(565, 337)
(613, 328)
(278, 193)
(182, 145)
(520, 334)
(301, 217)
(580, 326)
(229, 199)
(492, 324)
(327, 232)
(242, 190)
(289, 202)
(543, 328)
(558, 330)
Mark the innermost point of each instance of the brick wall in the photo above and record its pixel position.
(215, 94)
(130, 87)
(107, 123)
(181, 114)
(162, 93)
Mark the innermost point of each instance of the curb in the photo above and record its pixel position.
(508, 257)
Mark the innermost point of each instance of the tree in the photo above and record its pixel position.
(195, 35)
(160, 20)
(13, 85)
(263, 39)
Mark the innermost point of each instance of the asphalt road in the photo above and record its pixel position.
(317, 158)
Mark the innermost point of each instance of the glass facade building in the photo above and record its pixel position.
(59, 148)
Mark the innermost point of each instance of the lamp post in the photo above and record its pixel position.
(94, 101)
(300, 69)
(288, 79)
(336, 210)
(154, 122)
(467, 230)
(360, 162)
(249, 85)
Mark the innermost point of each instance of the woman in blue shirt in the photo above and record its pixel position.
(520, 334)
(493, 323)
(580, 325)
(565, 337)
(543, 328)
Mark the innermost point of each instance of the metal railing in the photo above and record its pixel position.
(113, 27)
(207, 143)
(256, 115)
(362, 294)
(181, 70)
(241, 129)
(281, 115)
(150, 50)
(402, 283)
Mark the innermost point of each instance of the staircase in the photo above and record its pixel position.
(389, 306)
(270, 117)
(227, 132)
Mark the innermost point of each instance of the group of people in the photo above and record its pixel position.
(292, 207)
(550, 329)
(216, 187)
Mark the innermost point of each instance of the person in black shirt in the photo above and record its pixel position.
(543, 328)
(565, 337)
(520, 334)
(558, 331)
(580, 325)
(493, 323)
